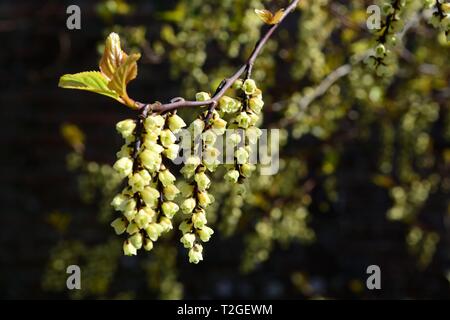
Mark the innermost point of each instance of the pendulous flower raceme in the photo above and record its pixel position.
(440, 17)
(146, 202)
(383, 59)
(245, 133)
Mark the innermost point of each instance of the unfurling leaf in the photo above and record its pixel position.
(93, 81)
(122, 76)
(113, 56)
(117, 70)
(268, 17)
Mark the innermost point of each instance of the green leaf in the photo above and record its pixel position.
(92, 81)
(113, 56)
(123, 75)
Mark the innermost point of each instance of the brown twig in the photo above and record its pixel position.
(227, 83)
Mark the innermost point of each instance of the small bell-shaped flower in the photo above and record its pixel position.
(132, 228)
(172, 151)
(150, 196)
(205, 233)
(204, 199)
(185, 226)
(124, 166)
(153, 231)
(195, 254)
(148, 244)
(171, 192)
(119, 225)
(169, 209)
(126, 128)
(176, 123)
(232, 176)
(249, 87)
(199, 219)
(202, 96)
(129, 249)
(166, 224)
(188, 205)
(188, 240)
(136, 240)
(202, 180)
(166, 177)
(167, 138)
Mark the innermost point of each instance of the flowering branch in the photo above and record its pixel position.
(226, 83)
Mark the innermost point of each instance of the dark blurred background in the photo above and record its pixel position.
(42, 209)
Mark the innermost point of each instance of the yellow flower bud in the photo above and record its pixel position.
(243, 120)
(172, 151)
(152, 136)
(199, 219)
(153, 231)
(253, 134)
(153, 146)
(150, 196)
(249, 86)
(124, 152)
(247, 169)
(238, 84)
(234, 139)
(119, 225)
(176, 123)
(209, 137)
(154, 122)
(241, 155)
(188, 240)
(126, 128)
(202, 96)
(124, 166)
(229, 105)
(186, 189)
(151, 160)
(195, 254)
(136, 240)
(139, 180)
(129, 209)
(205, 233)
(129, 249)
(169, 209)
(232, 176)
(202, 181)
(219, 126)
(167, 138)
(196, 127)
(166, 224)
(256, 104)
(171, 192)
(132, 228)
(188, 205)
(204, 199)
(144, 217)
(166, 177)
(118, 202)
(185, 226)
(148, 244)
